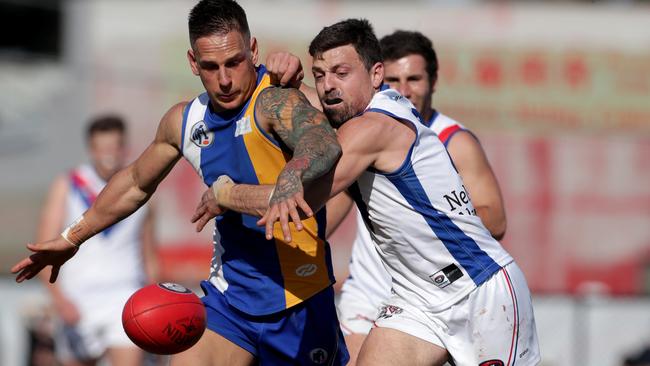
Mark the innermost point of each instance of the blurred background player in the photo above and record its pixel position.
(94, 286)
(411, 67)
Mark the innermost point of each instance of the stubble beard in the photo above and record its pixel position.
(338, 117)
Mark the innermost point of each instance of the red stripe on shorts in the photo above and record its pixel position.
(514, 306)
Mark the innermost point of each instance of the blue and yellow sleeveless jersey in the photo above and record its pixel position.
(256, 275)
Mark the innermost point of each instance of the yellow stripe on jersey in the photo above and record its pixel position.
(303, 261)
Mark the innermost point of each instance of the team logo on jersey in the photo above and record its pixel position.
(318, 356)
(200, 135)
(174, 287)
(446, 276)
(243, 126)
(388, 311)
(306, 270)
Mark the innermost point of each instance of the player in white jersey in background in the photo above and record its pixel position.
(457, 294)
(94, 286)
(411, 67)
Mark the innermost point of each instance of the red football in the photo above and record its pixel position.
(164, 318)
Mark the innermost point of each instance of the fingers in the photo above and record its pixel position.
(270, 217)
(33, 247)
(304, 206)
(29, 272)
(262, 221)
(284, 221)
(21, 265)
(22, 276)
(284, 68)
(202, 222)
(54, 274)
(200, 211)
(291, 71)
(273, 63)
(295, 216)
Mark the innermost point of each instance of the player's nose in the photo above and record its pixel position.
(328, 83)
(404, 90)
(225, 80)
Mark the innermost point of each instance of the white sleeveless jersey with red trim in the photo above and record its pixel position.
(422, 222)
(110, 260)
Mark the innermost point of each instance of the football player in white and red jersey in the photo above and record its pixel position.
(411, 67)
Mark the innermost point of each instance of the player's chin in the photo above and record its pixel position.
(229, 102)
(336, 116)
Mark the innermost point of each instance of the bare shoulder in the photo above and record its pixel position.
(464, 143)
(375, 127)
(171, 125)
(366, 129)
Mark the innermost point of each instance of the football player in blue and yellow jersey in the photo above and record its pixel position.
(268, 300)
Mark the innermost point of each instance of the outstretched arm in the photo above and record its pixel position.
(129, 189)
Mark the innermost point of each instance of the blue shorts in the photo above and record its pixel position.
(305, 334)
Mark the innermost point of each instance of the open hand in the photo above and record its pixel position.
(208, 207)
(287, 197)
(50, 253)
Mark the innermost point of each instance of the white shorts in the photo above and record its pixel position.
(356, 312)
(494, 325)
(99, 329)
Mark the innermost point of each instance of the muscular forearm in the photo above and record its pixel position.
(244, 198)
(315, 154)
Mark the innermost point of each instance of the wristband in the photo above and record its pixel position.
(73, 233)
(64, 235)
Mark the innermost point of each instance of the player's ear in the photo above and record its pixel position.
(192, 60)
(433, 85)
(377, 74)
(254, 50)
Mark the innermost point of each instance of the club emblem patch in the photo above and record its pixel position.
(200, 135)
(388, 311)
(318, 356)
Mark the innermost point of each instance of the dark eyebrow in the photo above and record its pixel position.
(237, 57)
(206, 64)
(333, 68)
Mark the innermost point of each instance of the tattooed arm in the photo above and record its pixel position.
(287, 114)
(306, 131)
(302, 128)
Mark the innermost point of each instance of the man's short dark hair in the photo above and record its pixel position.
(355, 32)
(404, 43)
(210, 17)
(105, 123)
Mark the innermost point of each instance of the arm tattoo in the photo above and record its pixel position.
(306, 131)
